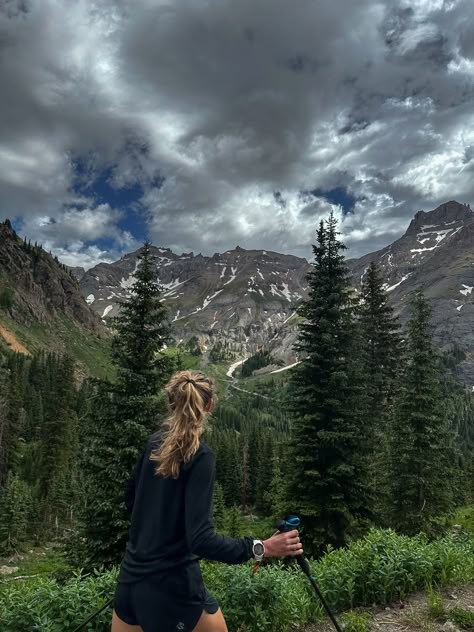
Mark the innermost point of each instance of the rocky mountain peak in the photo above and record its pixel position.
(448, 213)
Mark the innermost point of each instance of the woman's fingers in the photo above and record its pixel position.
(283, 544)
(293, 544)
(297, 550)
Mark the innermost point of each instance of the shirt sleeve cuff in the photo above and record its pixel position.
(249, 550)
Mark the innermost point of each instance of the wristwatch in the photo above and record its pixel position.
(258, 550)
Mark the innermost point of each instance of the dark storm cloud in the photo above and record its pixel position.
(213, 107)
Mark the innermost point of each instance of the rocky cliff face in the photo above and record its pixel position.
(436, 254)
(40, 288)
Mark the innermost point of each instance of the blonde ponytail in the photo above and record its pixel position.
(189, 397)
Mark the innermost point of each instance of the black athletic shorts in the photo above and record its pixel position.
(169, 602)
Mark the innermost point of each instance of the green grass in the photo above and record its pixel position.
(90, 350)
(435, 604)
(62, 334)
(43, 560)
(464, 516)
(418, 619)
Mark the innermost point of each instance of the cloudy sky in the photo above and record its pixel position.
(203, 124)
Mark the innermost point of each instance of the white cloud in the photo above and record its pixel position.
(80, 255)
(229, 103)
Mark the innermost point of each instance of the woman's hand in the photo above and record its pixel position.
(283, 544)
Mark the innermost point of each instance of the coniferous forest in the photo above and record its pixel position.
(370, 429)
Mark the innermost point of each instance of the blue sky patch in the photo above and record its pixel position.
(339, 196)
(127, 198)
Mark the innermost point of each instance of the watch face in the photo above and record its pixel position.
(258, 548)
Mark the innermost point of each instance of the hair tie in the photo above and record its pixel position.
(189, 381)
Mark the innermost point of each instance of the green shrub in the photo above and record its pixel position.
(355, 622)
(45, 605)
(385, 567)
(272, 599)
(381, 568)
(462, 617)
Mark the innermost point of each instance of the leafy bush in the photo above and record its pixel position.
(462, 617)
(384, 567)
(272, 599)
(44, 605)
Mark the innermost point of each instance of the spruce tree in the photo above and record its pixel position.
(12, 420)
(15, 509)
(381, 354)
(421, 443)
(264, 474)
(118, 427)
(326, 478)
(4, 425)
(276, 494)
(59, 427)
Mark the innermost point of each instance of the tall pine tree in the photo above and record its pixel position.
(421, 443)
(381, 354)
(128, 412)
(326, 481)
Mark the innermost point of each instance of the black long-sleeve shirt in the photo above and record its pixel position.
(171, 519)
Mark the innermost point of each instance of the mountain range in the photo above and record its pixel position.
(247, 298)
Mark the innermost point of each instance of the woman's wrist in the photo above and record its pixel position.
(268, 545)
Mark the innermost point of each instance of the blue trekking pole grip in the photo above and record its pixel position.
(288, 524)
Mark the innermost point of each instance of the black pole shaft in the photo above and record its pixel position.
(84, 623)
(326, 607)
(303, 564)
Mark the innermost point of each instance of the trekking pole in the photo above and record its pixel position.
(84, 623)
(293, 522)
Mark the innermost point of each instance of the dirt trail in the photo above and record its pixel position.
(410, 615)
(12, 341)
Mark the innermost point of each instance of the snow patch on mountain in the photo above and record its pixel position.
(108, 309)
(170, 288)
(208, 299)
(127, 283)
(234, 273)
(388, 288)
